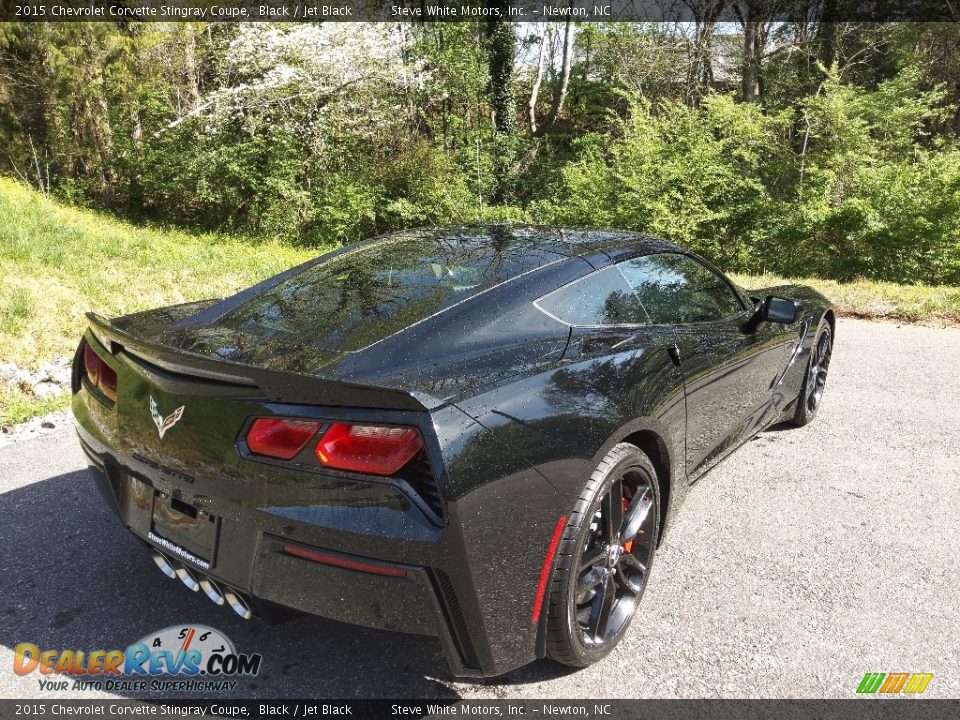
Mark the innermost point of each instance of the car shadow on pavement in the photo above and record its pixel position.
(778, 428)
(74, 578)
(536, 672)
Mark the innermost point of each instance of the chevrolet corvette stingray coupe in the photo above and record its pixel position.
(478, 434)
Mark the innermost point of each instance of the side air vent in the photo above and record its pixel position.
(420, 477)
(455, 619)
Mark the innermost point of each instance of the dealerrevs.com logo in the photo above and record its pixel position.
(894, 683)
(181, 657)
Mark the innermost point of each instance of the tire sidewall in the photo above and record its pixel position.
(804, 414)
(633, 459)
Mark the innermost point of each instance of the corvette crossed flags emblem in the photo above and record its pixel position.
(164, 423)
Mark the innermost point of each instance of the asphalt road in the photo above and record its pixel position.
(805, 560)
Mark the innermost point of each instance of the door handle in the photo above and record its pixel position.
(674, 352)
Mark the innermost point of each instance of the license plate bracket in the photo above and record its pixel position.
(185, 526)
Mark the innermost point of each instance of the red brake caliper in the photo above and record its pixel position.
(628, 545)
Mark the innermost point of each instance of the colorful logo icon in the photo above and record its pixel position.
(894, 683)
(188, 650)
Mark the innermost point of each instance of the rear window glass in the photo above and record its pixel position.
(365, 295)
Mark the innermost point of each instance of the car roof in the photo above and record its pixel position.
(597, 246)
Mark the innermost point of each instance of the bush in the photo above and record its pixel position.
(693, 176)
(852, 187)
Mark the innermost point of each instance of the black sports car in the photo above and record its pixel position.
(478, 434)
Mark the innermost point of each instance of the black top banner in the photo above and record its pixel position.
(473, 10)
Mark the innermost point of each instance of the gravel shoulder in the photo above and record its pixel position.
(807, 559)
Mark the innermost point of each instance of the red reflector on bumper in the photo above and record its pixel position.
(341, 562)
(547, 564)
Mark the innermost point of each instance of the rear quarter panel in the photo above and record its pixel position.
(522, 454)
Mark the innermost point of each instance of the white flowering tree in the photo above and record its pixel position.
(308, 78)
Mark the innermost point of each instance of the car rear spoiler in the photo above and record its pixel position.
(276, 385)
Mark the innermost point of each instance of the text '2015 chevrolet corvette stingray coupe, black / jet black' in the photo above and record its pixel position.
(478, 434)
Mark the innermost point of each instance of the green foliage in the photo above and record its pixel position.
(873, 198)
(316, 135)
(694, 176)
(857, 191)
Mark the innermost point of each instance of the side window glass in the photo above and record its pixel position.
(603, 298)
(676, 289)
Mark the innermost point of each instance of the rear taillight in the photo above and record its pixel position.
(92, 364)
(279, 437)
(368, 448)
(99, 374)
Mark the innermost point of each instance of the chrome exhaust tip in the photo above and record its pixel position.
(238, 604)
(212, 590)
(188, 578)
(164, 564)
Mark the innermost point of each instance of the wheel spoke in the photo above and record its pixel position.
(586, 584)
(613, 511)
(817, 377)
(636, 514)
(602, 606)
(591, 556)
(631, 573)
(631, 562)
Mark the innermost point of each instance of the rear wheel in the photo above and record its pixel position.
(808, 404)
(604, 559)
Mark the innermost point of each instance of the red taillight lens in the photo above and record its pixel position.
(368, 448)
(280, 438)
(92, 364)
(108, 381)
(99, 374)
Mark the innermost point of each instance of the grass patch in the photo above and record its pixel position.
(939, 305)
(58, 262)
(17, 406)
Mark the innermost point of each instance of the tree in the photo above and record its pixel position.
(539, 127)
(755, 18)
(501, 49)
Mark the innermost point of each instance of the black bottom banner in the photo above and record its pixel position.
(853, 709)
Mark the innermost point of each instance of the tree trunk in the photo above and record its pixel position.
(501, 48)
(538, 80)
(748, 83)
(699, 71)
(560, 94)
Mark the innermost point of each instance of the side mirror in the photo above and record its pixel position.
(782, 311)
(773, 309)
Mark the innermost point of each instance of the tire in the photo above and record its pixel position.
(574, 633)
(815, 377)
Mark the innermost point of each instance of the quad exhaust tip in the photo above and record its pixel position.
(238, 604)
(188, 578)
(212, 590)
(196, 582)
(164, 564)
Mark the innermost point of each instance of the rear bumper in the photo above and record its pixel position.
(250, 558)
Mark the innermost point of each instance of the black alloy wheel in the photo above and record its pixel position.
(604, 559)
(811, 395)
